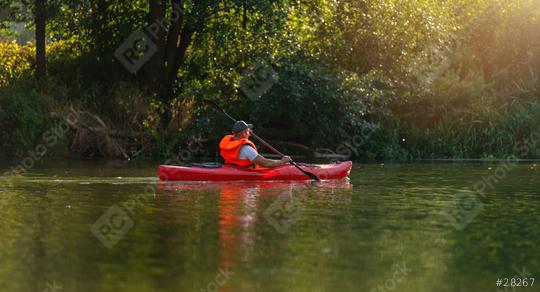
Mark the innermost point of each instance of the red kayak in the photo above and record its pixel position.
(230, 172)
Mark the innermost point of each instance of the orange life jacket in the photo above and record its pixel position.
(230, 148)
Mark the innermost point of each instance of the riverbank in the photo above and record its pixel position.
(366, 82)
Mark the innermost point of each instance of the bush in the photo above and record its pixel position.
(311, 104)
(15, 60)
(24, 117)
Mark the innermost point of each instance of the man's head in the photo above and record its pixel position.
(241, 129)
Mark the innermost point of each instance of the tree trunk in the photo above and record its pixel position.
(177, 57)
(179, 37)
(41, 59)
(173, 43)
(154, 71)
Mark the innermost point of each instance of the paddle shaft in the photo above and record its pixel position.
(267, 145)
(309, 174)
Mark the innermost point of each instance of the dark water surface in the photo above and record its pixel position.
(81, 226)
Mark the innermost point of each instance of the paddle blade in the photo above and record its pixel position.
(312, 176)
(309, 174)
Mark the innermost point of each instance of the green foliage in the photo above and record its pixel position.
(450, 79)
(323, 105)
(485, 131)
(24, 118)
(14, 61)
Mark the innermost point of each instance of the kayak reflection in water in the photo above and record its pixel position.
(237, 150)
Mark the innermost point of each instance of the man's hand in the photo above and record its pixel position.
(285, 159)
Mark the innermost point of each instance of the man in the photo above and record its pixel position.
(237, 150)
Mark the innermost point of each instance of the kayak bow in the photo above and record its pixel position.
(231, 173)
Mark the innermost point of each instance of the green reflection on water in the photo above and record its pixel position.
(389, 229)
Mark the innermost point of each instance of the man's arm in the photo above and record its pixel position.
(260, 160)
(247, 152)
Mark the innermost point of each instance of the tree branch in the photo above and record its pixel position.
(156, 16)
(185, 41)
(173, 36)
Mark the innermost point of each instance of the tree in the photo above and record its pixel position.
(33, 14)
(40, 24)
(172, 43)
(187, 20)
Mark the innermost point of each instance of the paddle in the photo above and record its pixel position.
(309, 174)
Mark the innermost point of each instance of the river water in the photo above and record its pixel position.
(112, 226)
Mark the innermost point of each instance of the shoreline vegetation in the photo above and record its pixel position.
(379, 80)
